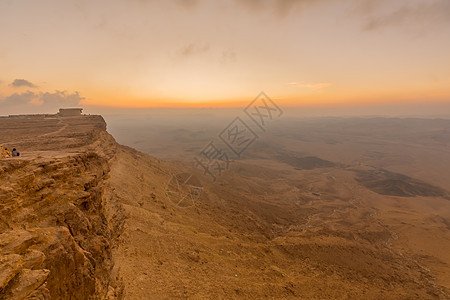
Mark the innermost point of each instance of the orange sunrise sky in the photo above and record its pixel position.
(147, 53)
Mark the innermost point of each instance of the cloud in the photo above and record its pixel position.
(31, 102)
(193, 49)
(378, 14)
(280, 7)
(61, 98)
(186, 3)
(283, 7)
(22, 83)
(366, 7)
(416, 15)
(254, 5)
(17, 99)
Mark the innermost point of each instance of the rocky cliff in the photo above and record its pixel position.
(55, 239)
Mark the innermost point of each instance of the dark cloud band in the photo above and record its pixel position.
(22, 83)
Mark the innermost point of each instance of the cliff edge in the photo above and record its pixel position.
(55, 239)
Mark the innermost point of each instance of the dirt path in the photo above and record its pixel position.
(56, 132)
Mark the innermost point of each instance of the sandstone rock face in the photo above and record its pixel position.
(55, 242)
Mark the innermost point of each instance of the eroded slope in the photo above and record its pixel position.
(255, 234)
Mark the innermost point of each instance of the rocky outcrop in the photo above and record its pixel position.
(55, 241)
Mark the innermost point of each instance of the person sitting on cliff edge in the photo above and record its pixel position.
(7, 153)
(15, 152)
